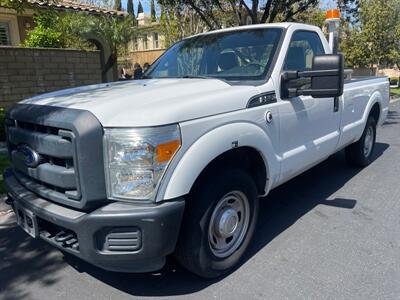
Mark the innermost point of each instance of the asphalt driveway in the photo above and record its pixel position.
(331, 233)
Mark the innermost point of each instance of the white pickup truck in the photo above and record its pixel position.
(124, 174)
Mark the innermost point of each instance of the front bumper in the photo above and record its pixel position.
(156, 228)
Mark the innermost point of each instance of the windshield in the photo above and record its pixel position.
(234, 55)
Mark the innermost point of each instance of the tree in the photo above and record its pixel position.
(131, 11)
(153, 11)
(350, 9)
(219, 13)
(45, 34)
(117, 5)
(314, 16)
(376, 39)
(140, 8)
(52, 31)
(16, 5)
(117, 32)
(129, 8)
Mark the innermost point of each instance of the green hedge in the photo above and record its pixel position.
(394, 81)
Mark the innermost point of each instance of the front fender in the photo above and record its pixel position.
(214, 143)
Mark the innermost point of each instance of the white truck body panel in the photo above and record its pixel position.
(212, 115)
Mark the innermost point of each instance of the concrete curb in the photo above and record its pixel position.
(394, 99)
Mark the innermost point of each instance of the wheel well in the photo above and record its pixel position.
(375, 112)
(246, 158)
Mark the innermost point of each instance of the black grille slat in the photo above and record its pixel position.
(47, 192)
(46, 144)
(47, 173)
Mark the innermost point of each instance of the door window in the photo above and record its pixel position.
(303, 46)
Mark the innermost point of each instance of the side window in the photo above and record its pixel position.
(302, 49)
(303, 46)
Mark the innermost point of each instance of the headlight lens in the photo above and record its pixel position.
(136, 159)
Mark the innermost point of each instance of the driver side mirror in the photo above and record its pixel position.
(327, 78)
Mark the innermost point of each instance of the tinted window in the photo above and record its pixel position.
(303, 46)
(235, 55)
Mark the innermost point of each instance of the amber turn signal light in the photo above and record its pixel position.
(167, 150)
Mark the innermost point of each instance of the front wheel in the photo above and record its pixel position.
(360, 153)
(219, 221)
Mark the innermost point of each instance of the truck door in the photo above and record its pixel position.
(309, 127)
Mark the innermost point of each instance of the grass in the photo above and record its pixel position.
(394, 91)
(4, 163)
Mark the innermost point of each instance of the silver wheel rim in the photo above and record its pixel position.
(228, 224)
(368, 141)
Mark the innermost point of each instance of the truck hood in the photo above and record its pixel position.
(151, 102)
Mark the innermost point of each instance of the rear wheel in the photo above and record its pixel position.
(360, 153)
(219, 221)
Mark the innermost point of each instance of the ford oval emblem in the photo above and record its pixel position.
(30, 157)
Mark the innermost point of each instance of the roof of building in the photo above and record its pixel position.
(76, 6)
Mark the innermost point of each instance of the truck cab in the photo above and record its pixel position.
(124, 174)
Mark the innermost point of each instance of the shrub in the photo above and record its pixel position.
(394, 81)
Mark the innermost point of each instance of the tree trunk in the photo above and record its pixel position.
(112, 59)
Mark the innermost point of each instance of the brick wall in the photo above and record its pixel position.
(25, 72)
(148, 56)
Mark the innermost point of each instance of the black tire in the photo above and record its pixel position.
(194, 251)
(355, 154)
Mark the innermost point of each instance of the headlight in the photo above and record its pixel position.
(136, 159)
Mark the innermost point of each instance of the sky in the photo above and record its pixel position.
(145, 4)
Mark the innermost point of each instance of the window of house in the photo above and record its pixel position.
(135, 44)
(4, 34)
(145, 46)
(156, 44)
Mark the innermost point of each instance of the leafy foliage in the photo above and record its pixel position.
(153, 11)
(350, 9)
(54, 30)
(46, 34)
(117, 32)
(12, 4)
(130, 8)
(220, 13)
(176, 24)
(376, 39)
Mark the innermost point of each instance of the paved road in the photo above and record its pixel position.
(332, 233)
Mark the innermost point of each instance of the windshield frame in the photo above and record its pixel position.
(238, 80)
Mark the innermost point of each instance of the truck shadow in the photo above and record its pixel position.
(24, 261)
(279, 210)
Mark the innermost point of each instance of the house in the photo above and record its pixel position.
(14, 26)
(149, 43)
